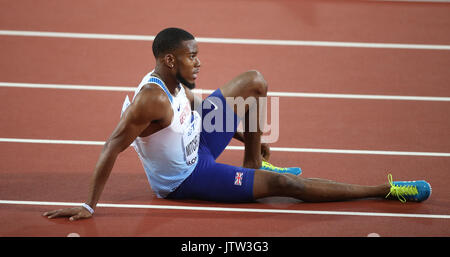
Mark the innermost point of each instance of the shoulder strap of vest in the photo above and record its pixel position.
(160, 83)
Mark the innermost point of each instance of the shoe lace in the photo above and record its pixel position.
(401, 191)
(270, 166)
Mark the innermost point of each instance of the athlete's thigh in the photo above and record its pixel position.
(219, 124)
(218, 182)
(267, 183)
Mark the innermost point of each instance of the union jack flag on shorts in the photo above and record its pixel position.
(238, 178)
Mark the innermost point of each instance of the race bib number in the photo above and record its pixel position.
(191, 139)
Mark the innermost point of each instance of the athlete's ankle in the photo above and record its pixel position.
(253, 164)
(384, 189)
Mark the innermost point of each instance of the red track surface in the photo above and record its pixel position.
(60, 173)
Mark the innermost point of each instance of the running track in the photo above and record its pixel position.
(36, 176)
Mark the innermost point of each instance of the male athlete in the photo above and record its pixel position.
(178, 151)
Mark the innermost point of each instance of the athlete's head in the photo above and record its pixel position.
(177, 50)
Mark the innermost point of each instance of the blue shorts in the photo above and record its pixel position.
(210, 180)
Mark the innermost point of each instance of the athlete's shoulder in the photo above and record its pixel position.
(151, 103)
(152, 94)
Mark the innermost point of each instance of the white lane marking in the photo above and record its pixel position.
(344, 151)
(226, 209)
(360, 96)
(413, 1)
(50, 141)
(272, 148)
(227, 40)
(66, 86)
(209, 91)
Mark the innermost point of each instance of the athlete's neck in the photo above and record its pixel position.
(168, 78)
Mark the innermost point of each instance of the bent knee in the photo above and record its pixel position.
(256, 82)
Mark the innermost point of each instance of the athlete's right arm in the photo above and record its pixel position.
(149, 105)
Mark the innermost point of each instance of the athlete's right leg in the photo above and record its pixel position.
(311, 190)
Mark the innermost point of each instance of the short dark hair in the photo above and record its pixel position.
(168, 40)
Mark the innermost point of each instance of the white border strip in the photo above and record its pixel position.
(272, 148)
(413, 1)
(227, 40)
(342, 151)
(66, 86)
(360, 96)
(209, 91)
(50, 141)
(225, 209)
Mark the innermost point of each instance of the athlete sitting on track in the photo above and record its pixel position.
(178, 152)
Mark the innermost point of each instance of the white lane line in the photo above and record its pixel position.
(413, 1)
(344, 151)
(50, 141)
(360, 96)
(225, 209)
(66, 86)
(209, 91)
(241, 148)
(75, 35)
(227, 40)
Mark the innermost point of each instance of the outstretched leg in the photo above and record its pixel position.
(311, 190)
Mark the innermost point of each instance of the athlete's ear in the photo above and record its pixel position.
(169, 60)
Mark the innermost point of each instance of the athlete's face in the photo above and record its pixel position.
(187, 63)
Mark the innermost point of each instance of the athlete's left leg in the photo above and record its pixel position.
(249, 85)
(311, 190)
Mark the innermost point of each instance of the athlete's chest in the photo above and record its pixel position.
(182, 114)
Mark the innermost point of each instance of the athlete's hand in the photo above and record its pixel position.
(265, 151)
(74, 213)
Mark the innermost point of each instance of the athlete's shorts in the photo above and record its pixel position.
(210, 180)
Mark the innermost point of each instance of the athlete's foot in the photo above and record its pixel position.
(292, 170)
(415, 191)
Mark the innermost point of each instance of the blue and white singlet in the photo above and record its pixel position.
(170, 155)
